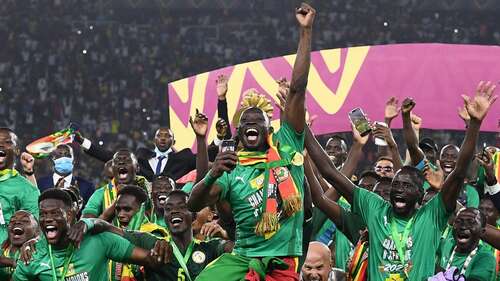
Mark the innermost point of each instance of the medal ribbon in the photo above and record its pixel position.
(183, 259)
(67, 260)
(467, 260)
(400, 242)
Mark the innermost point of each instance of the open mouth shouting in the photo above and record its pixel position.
(122, 174)
(463, 236)
(52, 233)
(448, 167)
(3, 156)
(162, 198)
(252, 136)
(17, 233)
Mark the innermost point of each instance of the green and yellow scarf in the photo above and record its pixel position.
(281, 181)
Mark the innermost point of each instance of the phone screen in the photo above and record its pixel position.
(359, 120)
(228, 145)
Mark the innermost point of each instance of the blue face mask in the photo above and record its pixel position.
(63, 165)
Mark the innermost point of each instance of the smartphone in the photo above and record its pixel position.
(228, 145)
(359, 120)
(380, 141)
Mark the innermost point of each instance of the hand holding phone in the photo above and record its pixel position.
(228, 145)
(360, 121)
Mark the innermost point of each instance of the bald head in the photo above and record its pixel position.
(317, 266)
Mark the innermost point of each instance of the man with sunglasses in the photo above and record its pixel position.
(384, 167)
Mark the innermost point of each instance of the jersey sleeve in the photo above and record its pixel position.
(287, 135)
(367, 205)
(472, 196)
(116, 247)
(29, 200)
(94, 205)
(484, 268)
(141, 239)
(351, 225)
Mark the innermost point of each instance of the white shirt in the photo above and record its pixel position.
(153, 162)
(67, 179)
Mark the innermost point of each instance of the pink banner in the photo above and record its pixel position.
(435, 75)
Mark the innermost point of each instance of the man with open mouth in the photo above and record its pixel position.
(102, 203)
(22, 227)
(404, 238)
(16, 192)
(465, 250)
(160, 188)
(263, 182)
(60, 259)
(190, 256)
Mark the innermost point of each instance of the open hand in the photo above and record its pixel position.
(391, 109)
(305, 15)
(199, 124)
(477, 107)
(213, 229)
(161, 253)
(435, 178)
(221, 86)
(27, 250)
(76, 233)
(283, 90)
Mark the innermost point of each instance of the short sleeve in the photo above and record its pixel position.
(116, 247)
(287, 135)
(94, 205)
(483, 268)
(436, 212)
(140, 239)
(367, 204)
(224, 183)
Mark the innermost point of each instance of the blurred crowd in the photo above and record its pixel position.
(107, 68)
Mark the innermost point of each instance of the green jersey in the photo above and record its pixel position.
(16, 193)
(481, 267)
(6, 272)
(95, 205)
(88, 263)
(202, 253)
(424, 233)
(243, 189)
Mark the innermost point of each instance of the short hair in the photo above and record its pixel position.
(369, 173)
(140, 195)
(387, 180)
(132, 155)
(73, 192)
(57, 194)
(164, 178)
(384, 157)
(177, 192)
(449, 146)
(342, 141)
(13, 135)
(415, 174)
(69, 148)
(165, 128)
(482, 217)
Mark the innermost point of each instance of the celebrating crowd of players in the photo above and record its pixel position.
(265, 204)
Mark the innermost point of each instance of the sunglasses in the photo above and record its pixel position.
(383, 168)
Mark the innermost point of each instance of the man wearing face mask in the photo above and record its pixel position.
(63, 177)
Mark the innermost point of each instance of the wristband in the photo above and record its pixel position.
(89, 223)
(209, 179)
(28, 173)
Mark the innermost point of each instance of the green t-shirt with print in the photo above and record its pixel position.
(16, 193)
(243, 189)
(89, 262)
(421, 246)
(482, 267)
(203, 253)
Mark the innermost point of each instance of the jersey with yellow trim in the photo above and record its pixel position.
(204, 252)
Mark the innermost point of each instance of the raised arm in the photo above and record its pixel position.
(295, 112)
(477, 107)
(225, 132)
(200, 124)
(206, 192)
(327, 206)
(386, 134)
(411, 139)
(325, 166)
(355, 153)
(492, 236)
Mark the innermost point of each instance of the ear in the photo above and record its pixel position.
(70, 215)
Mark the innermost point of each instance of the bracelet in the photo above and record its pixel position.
(209, 179)
(28, 173)
(89, 223)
